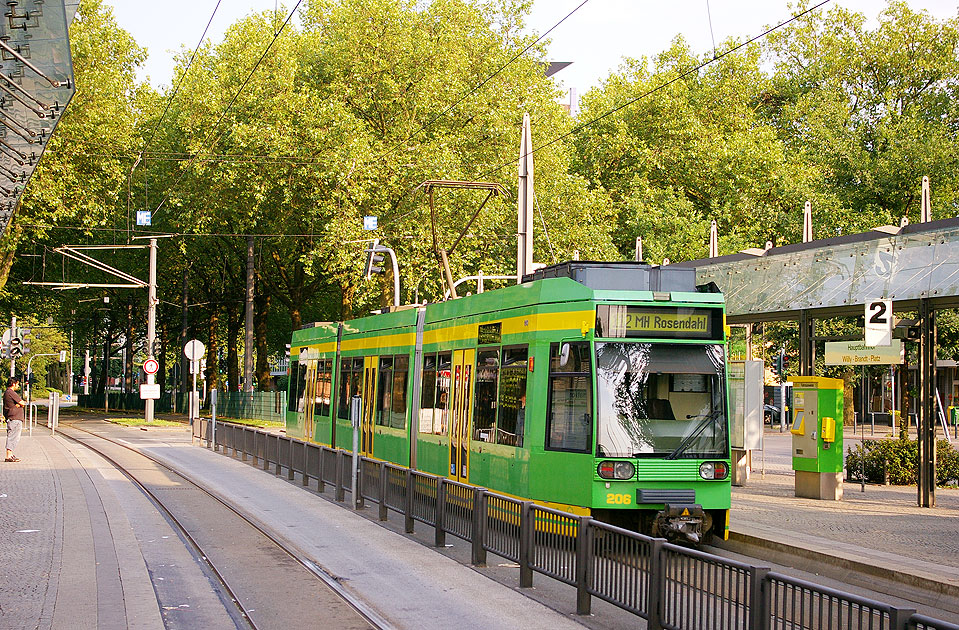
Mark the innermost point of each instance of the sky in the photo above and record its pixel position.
(595, 38)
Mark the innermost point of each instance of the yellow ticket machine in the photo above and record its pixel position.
(817, 437)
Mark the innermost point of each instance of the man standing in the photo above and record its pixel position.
(13, 411)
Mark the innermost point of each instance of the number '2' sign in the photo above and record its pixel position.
(879, 323)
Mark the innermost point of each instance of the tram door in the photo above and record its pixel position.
(369, 405)
(461, 413)
(309, 399)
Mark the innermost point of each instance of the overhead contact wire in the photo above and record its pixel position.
(658, 88)
(223, 114)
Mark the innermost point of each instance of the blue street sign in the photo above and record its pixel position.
(144, 217)
(369, 223)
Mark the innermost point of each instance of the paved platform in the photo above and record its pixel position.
(69, 558)
(76, 549)
(81, 547)
(878, 538)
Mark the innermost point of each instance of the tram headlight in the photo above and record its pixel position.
(713, 470)
(616, 470)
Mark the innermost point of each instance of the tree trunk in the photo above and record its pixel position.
(346, 304)
(6, 263)
(848, 394)
(296, 317)
(261, 306)
(128, 363)
(233, 323)
(161, 373)
(105, 368)
(213, 351)
(8, 256)
(186, 380)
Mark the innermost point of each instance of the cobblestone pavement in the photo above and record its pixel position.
(884, 518)
(30, 522)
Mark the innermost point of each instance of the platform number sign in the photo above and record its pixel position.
(879, 323)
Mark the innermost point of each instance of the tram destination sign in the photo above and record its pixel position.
(858, 353)
(638, 321)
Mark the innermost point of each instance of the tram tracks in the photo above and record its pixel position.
(264, 583)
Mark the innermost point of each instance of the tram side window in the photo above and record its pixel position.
(384, 390)
(324, 381)
(568, 416)
(441, 411)
(401, 372)
(351, 375)
(297, 388)
(484, 407)
(511, 422)
(428, 395)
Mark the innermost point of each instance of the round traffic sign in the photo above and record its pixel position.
(194, 349)
(151, 366)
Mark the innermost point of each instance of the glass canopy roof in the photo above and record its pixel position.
(36, 84)
(838, 276)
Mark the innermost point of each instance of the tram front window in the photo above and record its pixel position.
(661, 400)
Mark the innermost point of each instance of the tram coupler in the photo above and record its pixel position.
(680, 523)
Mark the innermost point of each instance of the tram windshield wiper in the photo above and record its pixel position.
(706, 422)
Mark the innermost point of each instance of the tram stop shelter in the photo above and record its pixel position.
(916, 266)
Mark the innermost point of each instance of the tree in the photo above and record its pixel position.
(346, 118)
(80, 181)
(873, 109)
(693, 150)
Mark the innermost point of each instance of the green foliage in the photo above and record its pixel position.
(81, 179)
(899, 459)
(45, 341)
(826, 110)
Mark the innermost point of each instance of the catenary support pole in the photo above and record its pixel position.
(248, 336)
(151, 323)
(927, 405)
(13, 333)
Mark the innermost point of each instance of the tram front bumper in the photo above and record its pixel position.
(680, 523)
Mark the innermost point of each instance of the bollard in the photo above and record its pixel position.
(320, 459)
(758, 596)
(657, 584)
(384, 508)
(358, 501)
(439, 537)
(479, 527)
(408, 512)
(526, 519)
(340, 494)
(290, 475)
(584, 564)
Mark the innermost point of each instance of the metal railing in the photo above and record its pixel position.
(671, 587)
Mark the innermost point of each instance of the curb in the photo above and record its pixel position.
(927, 590)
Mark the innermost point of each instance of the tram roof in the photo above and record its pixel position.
(568, 283)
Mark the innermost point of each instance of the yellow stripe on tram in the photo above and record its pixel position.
(541, 322)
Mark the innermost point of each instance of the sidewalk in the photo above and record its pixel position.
(58, 569)
(79, 547)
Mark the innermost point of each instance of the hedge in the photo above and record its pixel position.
(899, 459)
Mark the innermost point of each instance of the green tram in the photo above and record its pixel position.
(595, 388)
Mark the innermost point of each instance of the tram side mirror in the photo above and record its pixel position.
(564, 355)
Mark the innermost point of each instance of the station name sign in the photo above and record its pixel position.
(637, 321)
(858, 353)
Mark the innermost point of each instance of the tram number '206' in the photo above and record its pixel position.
(618, 499)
